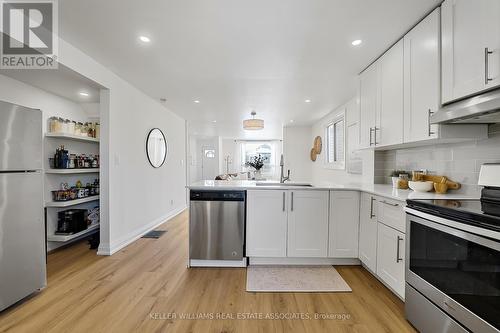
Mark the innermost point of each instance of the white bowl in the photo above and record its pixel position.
(421, 186)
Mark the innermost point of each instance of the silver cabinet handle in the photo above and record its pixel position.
(390, 204)
(487, 78)
(291, 206)
(429, 130)
(375, 129)
(398, 259)
(283, 201)
(371, 131)
(371, 208)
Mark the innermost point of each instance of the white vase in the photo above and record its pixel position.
(395, 182)
(258, 175)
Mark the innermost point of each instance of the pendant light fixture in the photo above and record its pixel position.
(253, 124)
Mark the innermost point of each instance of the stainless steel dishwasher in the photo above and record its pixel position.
(217, 228)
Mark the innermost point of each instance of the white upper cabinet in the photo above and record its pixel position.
(389, 129)
(266, 225)
(368, 100)
(470, 47)
(308, 224)
(344, 224)
(421, 78)
(381, 100)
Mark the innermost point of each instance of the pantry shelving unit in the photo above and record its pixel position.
(54, 177)
(71, 137)
(69, 203)
(66, 238)
(71, 171)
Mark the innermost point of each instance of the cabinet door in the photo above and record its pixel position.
(368, 231)
(390, 258)
(389, 130)
(491, 20)
(368, 103)
(343, 224)
(468, 28)
(421, 78)
(308, 224)
(266, 223)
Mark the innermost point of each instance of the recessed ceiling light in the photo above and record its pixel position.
(196, 101)
(84, 94)
(291, 120)
(357, 42)
(214, 121)
(144, 39)
(307, 101)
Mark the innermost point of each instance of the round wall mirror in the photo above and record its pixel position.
(156, 147)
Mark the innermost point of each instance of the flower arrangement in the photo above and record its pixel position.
(256, 162)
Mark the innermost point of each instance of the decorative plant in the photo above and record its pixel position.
(256, 162)
(396, 173)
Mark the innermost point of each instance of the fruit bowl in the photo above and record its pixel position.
(421, 186)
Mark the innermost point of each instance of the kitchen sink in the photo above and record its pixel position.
(283, 184)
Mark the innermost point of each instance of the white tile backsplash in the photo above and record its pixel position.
(460, 162)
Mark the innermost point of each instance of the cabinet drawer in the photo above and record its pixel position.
(391, 213)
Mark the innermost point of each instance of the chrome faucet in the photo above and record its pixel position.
(283, 179)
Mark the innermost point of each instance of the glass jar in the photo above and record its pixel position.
(59, 125)
(52, 124)
(78, 129)
(85, 129)
(71, 127)
(65, 126)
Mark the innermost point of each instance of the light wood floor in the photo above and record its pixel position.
(124, 293)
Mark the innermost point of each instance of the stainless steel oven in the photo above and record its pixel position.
(452, 276)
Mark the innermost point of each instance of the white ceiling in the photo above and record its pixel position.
(235, 55)
(62, 82)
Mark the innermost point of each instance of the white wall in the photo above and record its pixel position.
(297, 144)
(461, 162)
(134, 196)
(320, 172)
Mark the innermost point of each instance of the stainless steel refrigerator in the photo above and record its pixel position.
(22, 229)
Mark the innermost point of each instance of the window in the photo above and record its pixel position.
(209, 153)
(335, 143)
(270, 150)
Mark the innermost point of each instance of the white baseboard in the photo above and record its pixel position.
(109, 249)
(304, 261)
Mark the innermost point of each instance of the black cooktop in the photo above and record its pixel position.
(474, 212)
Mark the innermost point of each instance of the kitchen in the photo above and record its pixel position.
(275, 182)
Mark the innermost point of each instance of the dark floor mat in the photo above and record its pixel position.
(155, 234)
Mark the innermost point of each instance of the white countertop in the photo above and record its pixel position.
(377, 189)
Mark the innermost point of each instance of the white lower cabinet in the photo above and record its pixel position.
(343, 224)
(308, 224)
(390, 258)
(266, 226)
(368, 231)
(287, 223)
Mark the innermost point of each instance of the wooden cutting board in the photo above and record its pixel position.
(437, 179)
